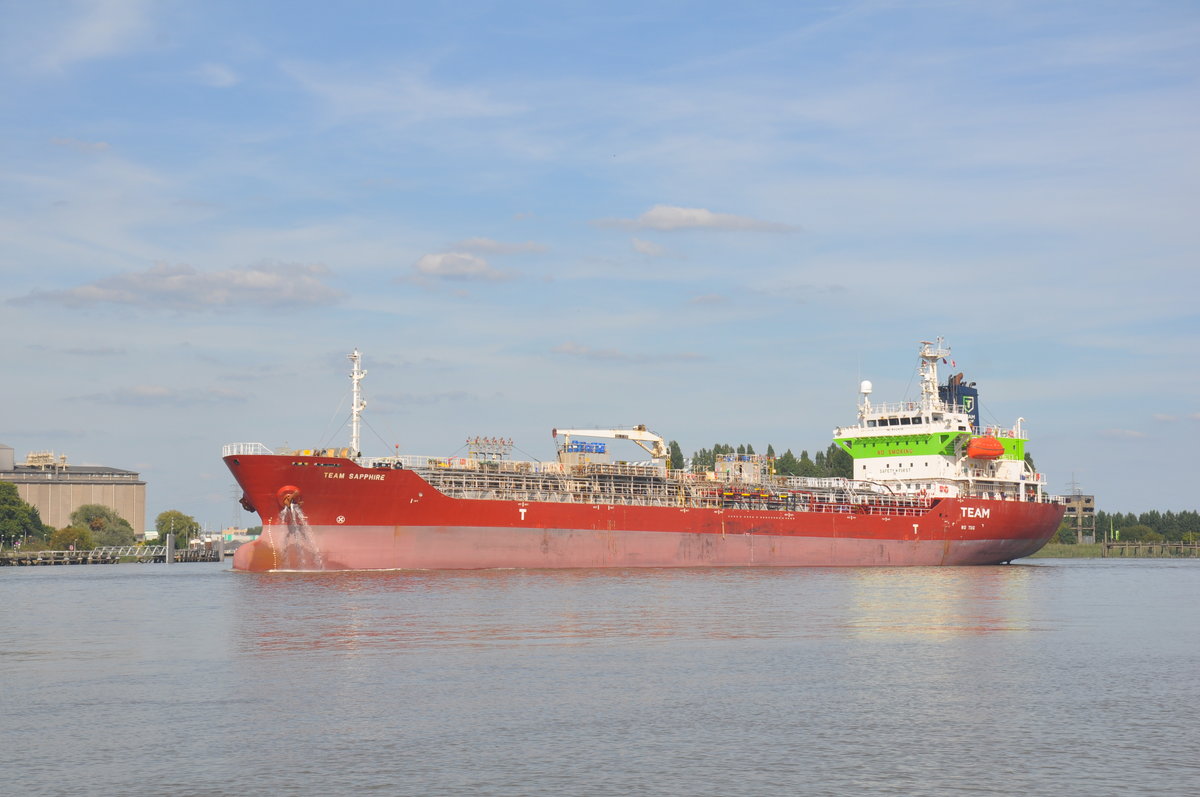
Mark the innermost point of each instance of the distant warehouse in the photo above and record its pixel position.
(58, 489)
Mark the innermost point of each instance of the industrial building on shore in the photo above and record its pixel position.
(57, 489)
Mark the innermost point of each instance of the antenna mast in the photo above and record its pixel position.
(357, 404)
(931, 352)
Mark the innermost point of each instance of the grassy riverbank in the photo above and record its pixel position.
(1058, 550)
(1122, 550)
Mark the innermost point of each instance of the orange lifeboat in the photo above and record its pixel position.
(986, 447)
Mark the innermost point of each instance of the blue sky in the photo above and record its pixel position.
(714, 219)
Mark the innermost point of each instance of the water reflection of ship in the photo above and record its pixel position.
(940, 602)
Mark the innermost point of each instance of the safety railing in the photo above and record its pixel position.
(244, 449)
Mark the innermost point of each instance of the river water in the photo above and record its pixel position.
(1057, 677)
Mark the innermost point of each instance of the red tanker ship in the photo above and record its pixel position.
(923, 494)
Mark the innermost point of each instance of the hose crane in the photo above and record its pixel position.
(649, 441)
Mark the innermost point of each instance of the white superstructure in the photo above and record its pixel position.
(934, 446)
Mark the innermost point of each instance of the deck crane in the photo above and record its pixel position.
(649, 441)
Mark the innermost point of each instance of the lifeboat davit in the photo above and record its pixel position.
(986, 447)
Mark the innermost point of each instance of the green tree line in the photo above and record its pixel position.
(1152, 526)
(19, 520)
(833, 461)
(91, 526)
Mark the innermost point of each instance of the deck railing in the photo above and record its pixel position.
(244, 449)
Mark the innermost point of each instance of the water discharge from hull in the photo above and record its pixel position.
(298, 549)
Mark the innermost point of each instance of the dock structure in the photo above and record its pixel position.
(1148, 550)
(106, 556)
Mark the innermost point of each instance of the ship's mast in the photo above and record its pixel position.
(357, 404)
(931, 352)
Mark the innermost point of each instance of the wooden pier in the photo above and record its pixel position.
(107, 556)
(1150, 550)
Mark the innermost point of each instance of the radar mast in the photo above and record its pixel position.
(931, 352)
(357, 404)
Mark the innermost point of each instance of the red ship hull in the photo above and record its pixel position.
(330, 514)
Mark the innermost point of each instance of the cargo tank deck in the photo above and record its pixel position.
(637, 485)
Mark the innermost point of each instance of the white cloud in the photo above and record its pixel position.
(95, 351)
(400, 97)
(648, 248)
(797, 291)
(1123, 433)
(672, 217)
(217, 76)
(160, 395)
(576, 350)
(421, 399)
(573, 349)
(96, 29)
(457, 266)
(489, 246)
(183, 288)
(80, 146)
